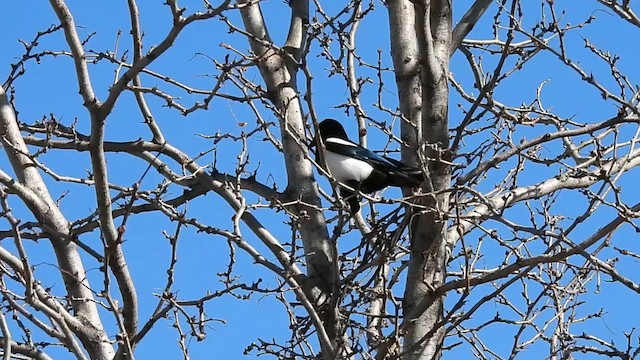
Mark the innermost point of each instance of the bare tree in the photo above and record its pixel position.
(527, 212)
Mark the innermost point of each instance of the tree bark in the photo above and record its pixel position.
(279, 70)
(89, 329)
(406, 62)
(420, 43)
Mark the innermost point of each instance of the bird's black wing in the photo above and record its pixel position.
(350, 149)
(388, 171)
(404, 175)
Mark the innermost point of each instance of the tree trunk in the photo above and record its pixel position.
(279, 71)
(420, 43)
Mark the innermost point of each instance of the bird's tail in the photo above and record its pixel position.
(404, 176)
(407, 177)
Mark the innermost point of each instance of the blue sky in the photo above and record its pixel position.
(50, 87)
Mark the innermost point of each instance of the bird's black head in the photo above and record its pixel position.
(332, 128)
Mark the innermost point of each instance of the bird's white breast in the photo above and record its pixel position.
(344, 168)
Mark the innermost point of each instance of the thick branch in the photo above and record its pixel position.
(279, 73)
(498, 203)
(43, 207)
(406, 62)
(70, 33)
(99, 165)
(427, 263)
(468, 21)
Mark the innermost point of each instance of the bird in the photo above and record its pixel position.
(361, 168)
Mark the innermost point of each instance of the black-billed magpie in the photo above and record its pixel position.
(360, 168)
